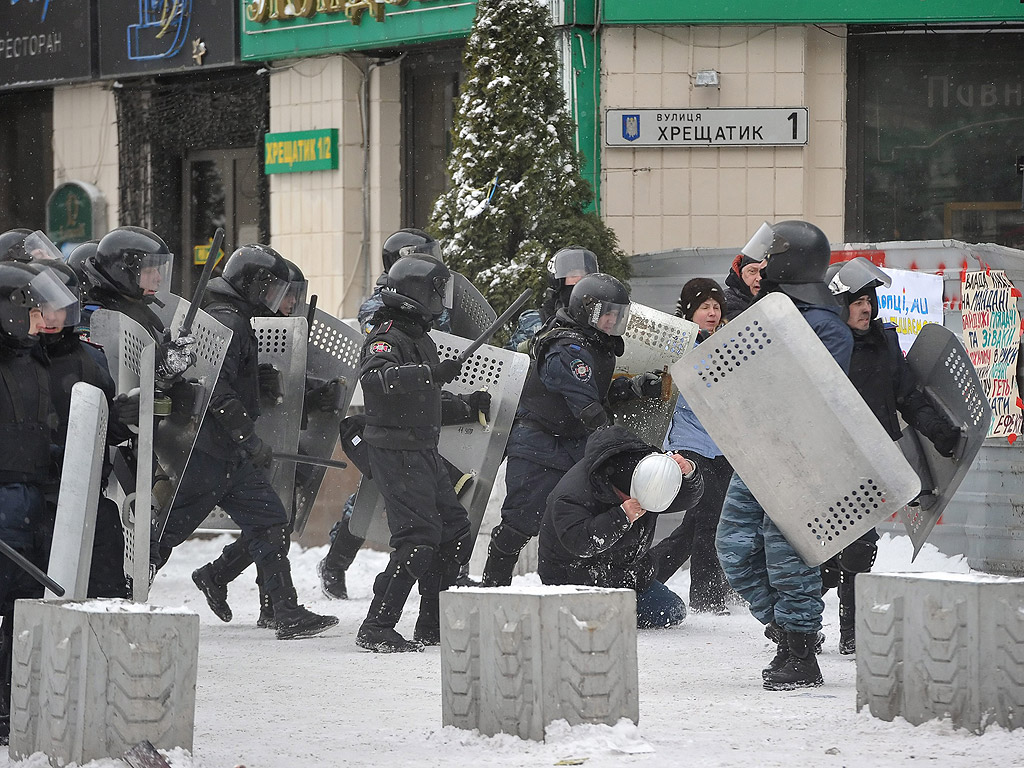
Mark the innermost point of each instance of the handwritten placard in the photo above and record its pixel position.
(992, 337)
(913, 299)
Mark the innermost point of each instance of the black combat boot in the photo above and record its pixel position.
(847, 616)
(293, 620)
(213, 578)
(801, 669)
(774, 633)
(391, 589)
(502, 555)
(339, 557)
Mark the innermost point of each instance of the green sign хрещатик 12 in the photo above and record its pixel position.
(298, 151)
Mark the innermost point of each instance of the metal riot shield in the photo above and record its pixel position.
(131, 353)
(80, 479)
(470, 314)
(946, 374)
(795, 429)
(654, 340)
(474, 449)
(332, 354)
(176, 434)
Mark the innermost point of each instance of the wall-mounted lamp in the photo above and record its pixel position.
(707, 78)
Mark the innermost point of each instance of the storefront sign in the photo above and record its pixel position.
(806, 11)
(992, 336)
(75, 212)
(157, 36)
(301, 151)
(913, 299)
(717, 127)
(45, 41)
(279, 28)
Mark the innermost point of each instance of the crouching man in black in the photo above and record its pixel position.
(402, 374)
(600, 519)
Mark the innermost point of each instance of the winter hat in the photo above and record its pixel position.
(619, 468)
(696, 292)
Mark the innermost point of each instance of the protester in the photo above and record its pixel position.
(744, 279)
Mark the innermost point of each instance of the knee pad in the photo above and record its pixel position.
(830, 573)
(415, 559)
(506, 540)
(858, 557)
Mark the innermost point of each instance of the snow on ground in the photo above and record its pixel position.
(263, 703)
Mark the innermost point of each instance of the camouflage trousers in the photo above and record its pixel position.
(762, 566)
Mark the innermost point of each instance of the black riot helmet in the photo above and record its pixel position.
(295, 298)
(260, 276)
(602, 302)
(849, 280)
(408, 242)
(26, 246)
(135, 261)
(798, 257)
(419, 285)
(24, 287)
(77, 258)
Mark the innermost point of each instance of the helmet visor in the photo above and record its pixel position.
(573, 262)
(764, 243)
(47, 292)
(274, 292)
(295, 298)
(38, 246)
(857, 275)
(446, 291)
(609, 317)
(433, 248)
(155, 273)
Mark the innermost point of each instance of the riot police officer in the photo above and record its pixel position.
(567, 396)
(402, 375)
(229, 463)
(568, 267)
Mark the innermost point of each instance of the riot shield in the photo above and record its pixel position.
(795, 429)
(946, 374)
(176, 434)
(332, 354)
(473, 449)
(80, 479)
(654, 341)
(470, 314)
(131, 353)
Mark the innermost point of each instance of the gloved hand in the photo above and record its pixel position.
(446, 371)
(646, 384)
(945, 439)
(260, 454)
(174, 357)
(325, 397)
(271, 383)
(479, 401)
(126, 409)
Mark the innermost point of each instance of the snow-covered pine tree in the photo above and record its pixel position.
(517, 194)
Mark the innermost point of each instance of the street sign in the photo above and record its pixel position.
(715, 127)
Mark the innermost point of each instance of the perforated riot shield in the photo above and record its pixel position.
(795, 429)
(130, 353)
(470, 314)
(654, 341)
(473, 449)
(946, 374)
(80, 479)
(176, 434)
(332, 354)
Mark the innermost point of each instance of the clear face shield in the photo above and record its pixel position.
(856, 275)
(295, 298)
(274, 292)
(572, 264)
(433, 248)
(764, 243)
(609, 318)
(38, 247)
(58, 305)
(155, 273)
(445, 288)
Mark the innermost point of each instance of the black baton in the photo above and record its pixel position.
(298, 458)
(28, 567)
(197, 297)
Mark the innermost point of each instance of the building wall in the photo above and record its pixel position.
(658, 199)
(85, 141)
(316, 218)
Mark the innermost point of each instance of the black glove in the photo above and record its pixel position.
(271, 383)
(945, 439)
(646, 385)
(326, 397)
(446, 371)
(479, 401)
(620, 389)
(126, 409)
(260, 454)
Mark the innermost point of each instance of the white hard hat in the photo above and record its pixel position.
(656, 482)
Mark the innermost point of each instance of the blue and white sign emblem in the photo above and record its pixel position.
(631, 127)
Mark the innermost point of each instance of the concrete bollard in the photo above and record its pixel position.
(941, 645)
(91, 679)
(515, 659)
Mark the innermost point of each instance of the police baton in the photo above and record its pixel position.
(26, 565)
(299, 458)
(493, 328)
(197, 297)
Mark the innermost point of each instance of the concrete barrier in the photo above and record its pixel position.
(515, 659)
(941, 645)
(93, 678)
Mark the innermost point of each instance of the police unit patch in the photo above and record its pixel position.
(580, 370)
(380, 346)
